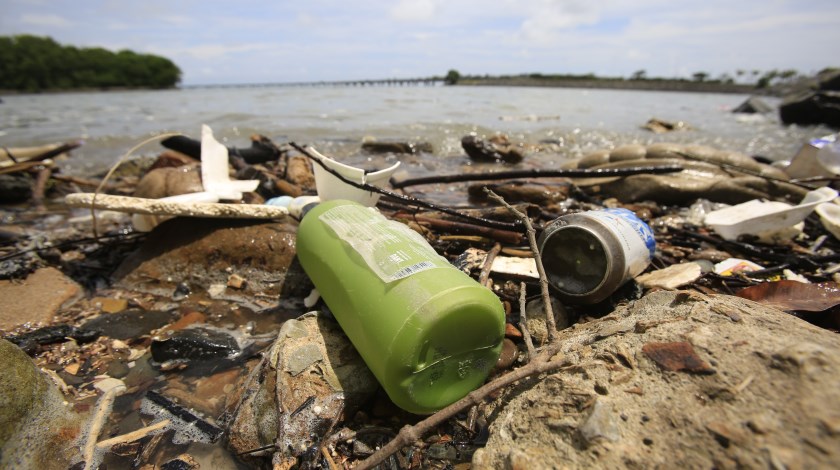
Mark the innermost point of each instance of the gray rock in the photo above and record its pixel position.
(311, 375)
(497, 149)
(767, 406)
(753, 105)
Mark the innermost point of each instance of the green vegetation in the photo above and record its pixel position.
(452, 77)
(31, 63)
(741, 81)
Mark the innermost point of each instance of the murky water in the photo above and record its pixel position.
(336, 119)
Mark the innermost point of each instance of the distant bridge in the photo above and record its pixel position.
(430, 81)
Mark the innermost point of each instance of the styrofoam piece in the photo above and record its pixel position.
(732, 266)
(329, 187)
(214, 169)
(526, 267)
(830, 216)
(146, 222)
(158, 207)
(759, 217)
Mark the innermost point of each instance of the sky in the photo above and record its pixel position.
(244, 41)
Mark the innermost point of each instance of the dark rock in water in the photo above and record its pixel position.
(194, 343)
(659, 126)
(182, 462)
(386, 146)
(129, 323)
(810, 108)
(15, 188)
(753, 105)
(495, 150)
(53, 334)
(816, 102)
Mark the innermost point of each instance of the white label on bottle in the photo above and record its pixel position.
(391, 249)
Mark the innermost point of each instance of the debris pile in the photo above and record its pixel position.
(165, 319)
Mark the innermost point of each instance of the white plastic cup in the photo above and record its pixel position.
(329, 187)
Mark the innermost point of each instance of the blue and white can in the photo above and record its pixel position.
(588, 255)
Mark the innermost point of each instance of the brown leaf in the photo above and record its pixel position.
(794, 295)
(675, 357)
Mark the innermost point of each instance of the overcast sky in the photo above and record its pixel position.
(244, 41)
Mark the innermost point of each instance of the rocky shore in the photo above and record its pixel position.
(198, 343)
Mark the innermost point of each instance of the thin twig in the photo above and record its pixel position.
(484, 276)
(523, 323)
(532, 240)
(407, 199)
(410, 434)
(536, 173)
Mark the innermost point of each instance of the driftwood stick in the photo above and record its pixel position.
(536, 173)
(409, 434)
(133, 435)
(532, 239)
(40, 187)
(452, 226)
(103, 409)
(523, 323)
(407, 199)
(484, 276)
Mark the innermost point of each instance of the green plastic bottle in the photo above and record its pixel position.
(429, 333)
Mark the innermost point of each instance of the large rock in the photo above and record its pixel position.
(312, 375)
(678, 380)
(709, 173)
(698, 180)
(204, 253)
(810, 108)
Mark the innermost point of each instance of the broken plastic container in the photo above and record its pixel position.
(830, 217)
(759, 217)
(428, 332)
(329, 187)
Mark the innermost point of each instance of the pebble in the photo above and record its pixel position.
(600, 425)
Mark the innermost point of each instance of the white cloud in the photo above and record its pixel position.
(213, 51)
(414, 10)
(50, 20)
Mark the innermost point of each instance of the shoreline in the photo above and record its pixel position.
(640, 85)
(607, 84)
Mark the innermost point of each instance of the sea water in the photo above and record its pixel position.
(337, 118)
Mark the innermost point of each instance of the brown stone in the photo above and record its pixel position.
(170, 181)
(36, 299)
(676, 357)
(110, 305)
(204, 252)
